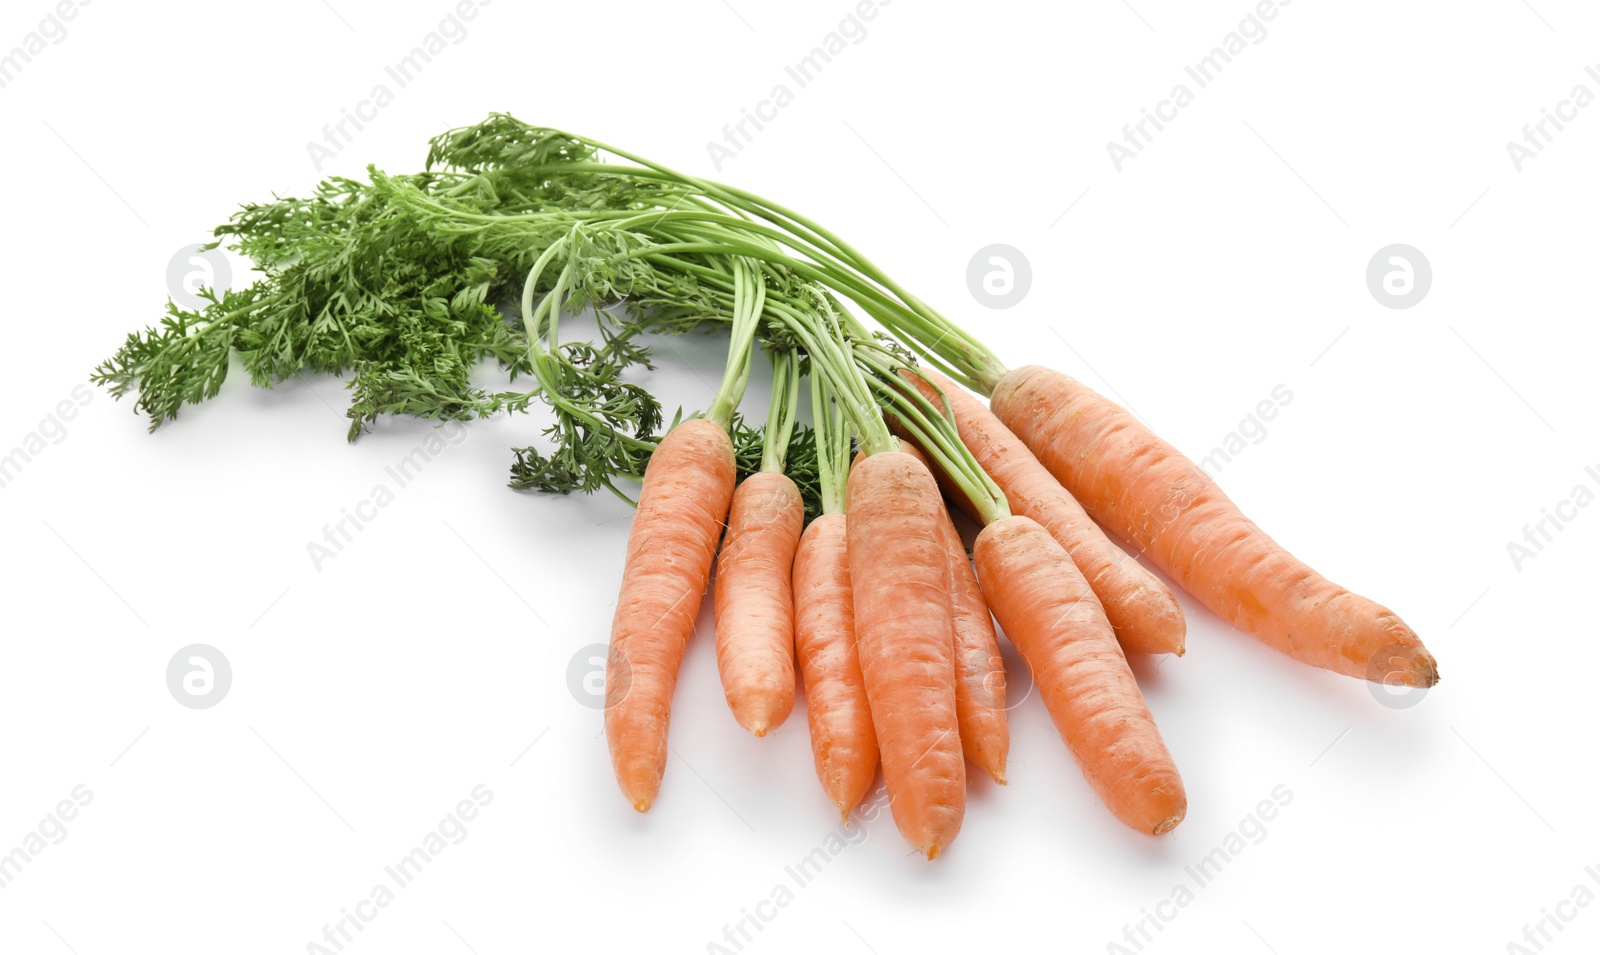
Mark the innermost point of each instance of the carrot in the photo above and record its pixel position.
(843, 744)
(1145, 490)
(754, 602)
(1053, 617)
(1142, 611)
(683, 502)
(1050, 613)
(980, 671)
(899, 582)
(687, 489)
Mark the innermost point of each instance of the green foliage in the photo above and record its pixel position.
(800, 465)
(405, 286)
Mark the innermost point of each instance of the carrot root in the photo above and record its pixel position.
(1145, 490)
(754, 601)
(1142, 611)
(980, 671)
(1050, 614)
(687, 489)
(899, 582)
(843, 743)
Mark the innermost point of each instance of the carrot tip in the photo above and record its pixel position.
(995, 768)
(1167, 825)
(760, 729)
(642, 804)
(933, 853)
(1410, 665)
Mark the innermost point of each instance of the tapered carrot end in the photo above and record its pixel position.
(1427, 670)
(844, 817)
(763, 714)
(1167, 825)
(933, 853)
(639, 786)
(988, 753)
(1408, 664)
(997, 770)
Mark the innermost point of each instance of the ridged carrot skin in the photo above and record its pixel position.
(899, 582)
(687, 489)
(843, 744)
(980, 671)
(1142, 488)
(1142, 611)
(754, 600)
(1050, 614)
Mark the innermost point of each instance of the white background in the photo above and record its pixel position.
(371, 696)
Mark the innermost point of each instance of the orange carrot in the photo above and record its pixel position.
(899, 582)
(843, 744)
(687, 489)
(1145, 490)
(754, 601)
(1142, 611)
(980, 671)
(1051, 615)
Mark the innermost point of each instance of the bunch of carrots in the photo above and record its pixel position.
(893, 625)
(889, 620)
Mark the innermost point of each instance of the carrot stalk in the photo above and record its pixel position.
(1143, 489)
